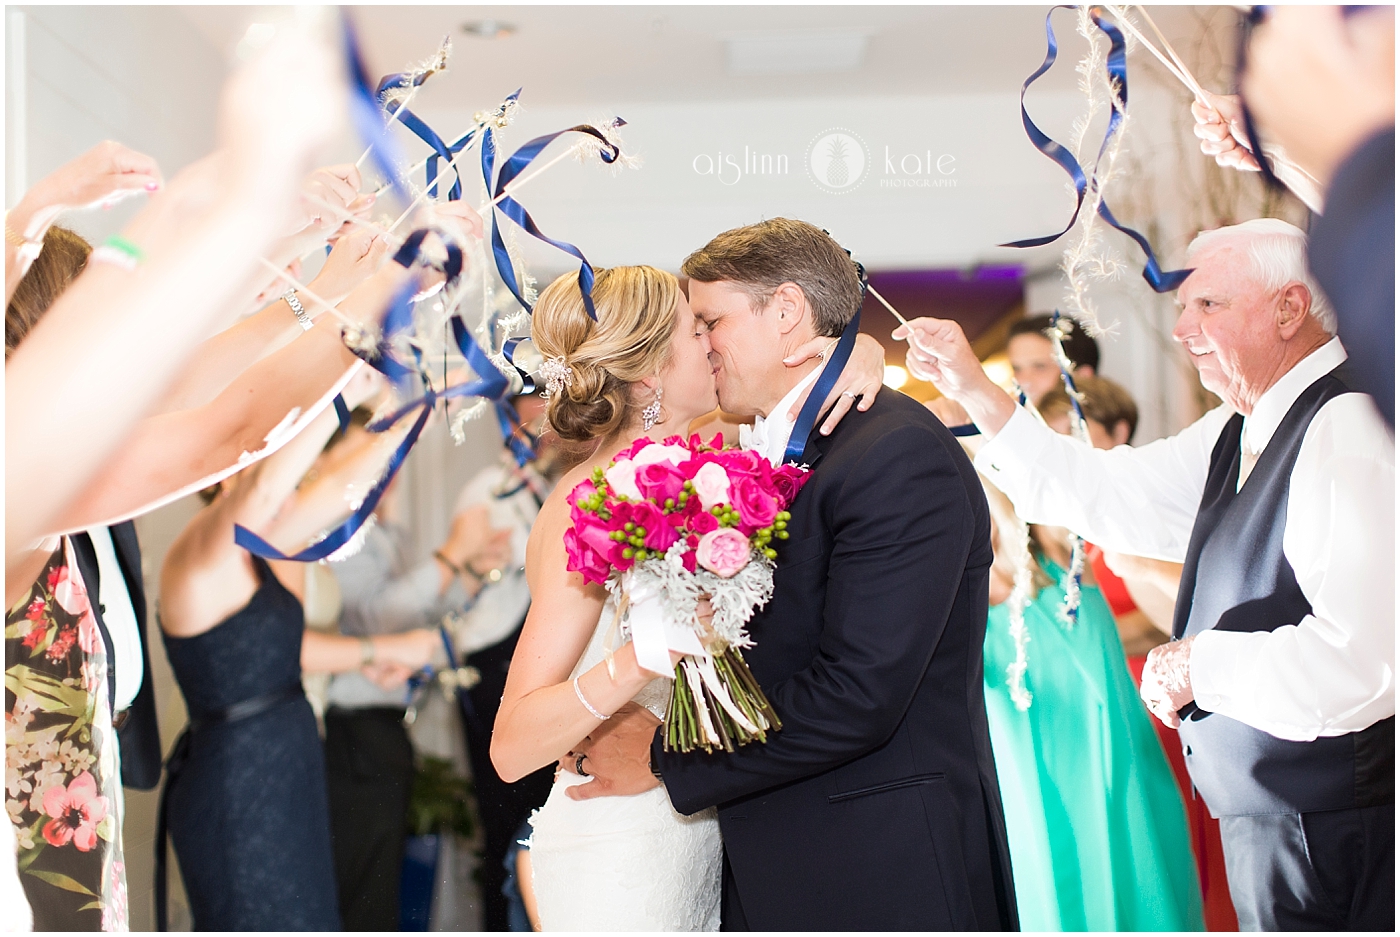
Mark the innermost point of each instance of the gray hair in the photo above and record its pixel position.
(1277, 253)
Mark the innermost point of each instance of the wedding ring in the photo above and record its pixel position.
(578, 766)
(848, 393)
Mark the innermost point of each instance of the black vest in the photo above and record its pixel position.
(1236, 578)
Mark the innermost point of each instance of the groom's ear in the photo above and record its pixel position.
(789, 305)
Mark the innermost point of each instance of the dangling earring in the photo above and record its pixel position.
(651, 413)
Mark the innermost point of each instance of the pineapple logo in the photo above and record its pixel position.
(837, 160)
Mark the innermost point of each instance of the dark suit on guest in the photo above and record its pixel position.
(876, 807)
(139, 733)
(1351, 250)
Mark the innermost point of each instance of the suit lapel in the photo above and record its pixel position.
(817, 444)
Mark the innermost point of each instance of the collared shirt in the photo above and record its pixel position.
(1329, 674)
(120, 618)
(382, 594)
(770, 435)
(512, 497)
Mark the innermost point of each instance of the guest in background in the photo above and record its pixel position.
(369, 756)
(503, 498)
(1032, 355)
(115, 664)
(1142, 600)
(245, 801)
(1097, 832)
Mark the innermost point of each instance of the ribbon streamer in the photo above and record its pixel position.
(1117, 68)
(811, 409)
(516, 163)
(365, 111)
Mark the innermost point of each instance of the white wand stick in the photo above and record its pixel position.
(510, 190)
(393, 118)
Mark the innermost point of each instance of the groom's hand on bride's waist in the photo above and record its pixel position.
(617, 756)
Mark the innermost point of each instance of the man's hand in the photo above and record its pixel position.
(1166, 680)
(617, 756)
(860, 380)
(939, 353)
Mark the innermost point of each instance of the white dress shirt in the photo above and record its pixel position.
(770, 435)
(1329, 674)
(120, 618)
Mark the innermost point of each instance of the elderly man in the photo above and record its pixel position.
(1280, 503)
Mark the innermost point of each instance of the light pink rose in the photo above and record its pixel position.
(622, 478)
(723, 552)
(656, 452)
(712, 485)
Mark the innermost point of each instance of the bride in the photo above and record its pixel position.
(610, 863)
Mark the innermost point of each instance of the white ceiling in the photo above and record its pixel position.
(640, 54)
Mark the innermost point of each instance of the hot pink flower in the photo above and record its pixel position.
(786, 482)
(76, 811)
(723, 552)
(659, 532)
(756, 506)
(659, 481)
(584, 559)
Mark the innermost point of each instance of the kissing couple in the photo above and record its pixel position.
(876, 806)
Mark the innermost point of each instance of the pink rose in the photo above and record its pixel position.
(756, 506)
(786, 482)
(723, 552)
(703, 522)
(659, 533)
(622, 479)
(660, 481)
(742, 462)
(711, 485)
(584, 559)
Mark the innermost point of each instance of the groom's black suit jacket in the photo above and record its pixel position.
(876, 807)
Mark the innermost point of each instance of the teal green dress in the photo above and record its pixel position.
(1097, 829)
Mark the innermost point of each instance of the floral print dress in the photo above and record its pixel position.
(62, 776)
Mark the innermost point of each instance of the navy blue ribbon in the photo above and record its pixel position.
(811, 409)
(516, 163)
(490, 383)
(342, 412)
(366, 114)
(1117, 67)
(965, 429)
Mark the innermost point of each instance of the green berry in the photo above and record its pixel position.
(629, 527)
(780, 525)
(782, 535)
(627, 553)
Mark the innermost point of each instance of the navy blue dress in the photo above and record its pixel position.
(247, 807)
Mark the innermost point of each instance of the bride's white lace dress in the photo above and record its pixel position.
(624, 863)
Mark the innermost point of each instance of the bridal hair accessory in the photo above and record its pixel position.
(1105, 82)
(557, 376)
(651, 413)
(665, 526)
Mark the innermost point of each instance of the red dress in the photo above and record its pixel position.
(1205, 829)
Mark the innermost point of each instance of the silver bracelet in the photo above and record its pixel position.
(298, 310)
(586, 704)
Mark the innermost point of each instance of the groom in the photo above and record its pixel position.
(876, 806)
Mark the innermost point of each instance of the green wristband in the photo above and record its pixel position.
(119, 243)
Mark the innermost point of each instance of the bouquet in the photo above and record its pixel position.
(668, 528)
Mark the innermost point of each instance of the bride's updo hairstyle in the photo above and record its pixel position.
(631, 341)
